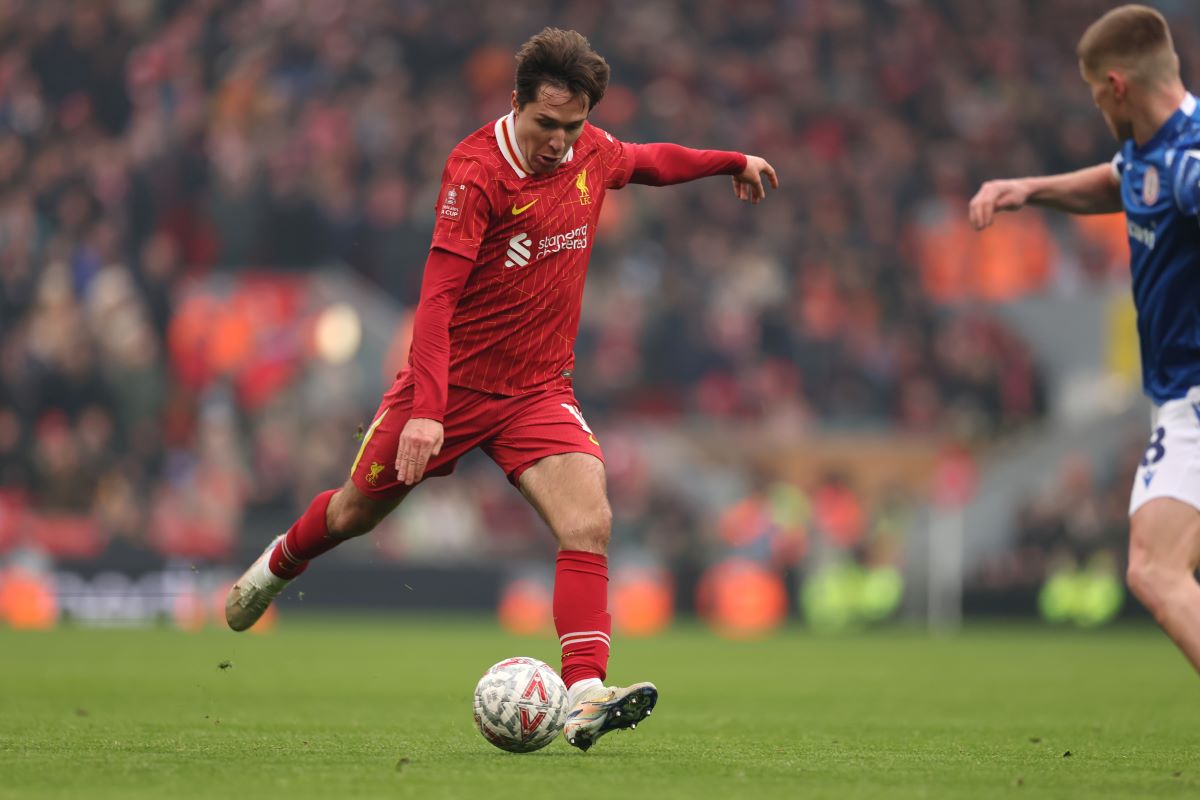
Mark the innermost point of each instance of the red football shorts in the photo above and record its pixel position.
(515, 432)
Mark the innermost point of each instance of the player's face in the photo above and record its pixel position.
(548, 126)
(1108, 93)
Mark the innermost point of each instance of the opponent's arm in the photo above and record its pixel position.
(1094, 190)
(663, 164)
(441, 286)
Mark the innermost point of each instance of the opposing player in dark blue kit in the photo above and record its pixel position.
(1128, 59)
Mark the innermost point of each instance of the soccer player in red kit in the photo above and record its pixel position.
(492, 359)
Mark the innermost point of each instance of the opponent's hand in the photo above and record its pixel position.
(748, 184)
(995, 196)
(420, 439)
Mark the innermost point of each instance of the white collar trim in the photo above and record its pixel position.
(506, 140)
(1188, 106)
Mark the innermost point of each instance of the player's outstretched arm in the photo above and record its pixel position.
(665, 164)
(748, 184)
(1094, 190)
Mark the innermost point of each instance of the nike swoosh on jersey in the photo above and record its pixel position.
(525, 207)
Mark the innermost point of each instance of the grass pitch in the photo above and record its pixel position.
(381, 708)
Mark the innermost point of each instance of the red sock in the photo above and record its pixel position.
(581, 614)
(307, 539)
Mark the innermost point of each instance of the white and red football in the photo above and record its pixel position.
(520, 704)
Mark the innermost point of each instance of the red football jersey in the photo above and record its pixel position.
(530, 237)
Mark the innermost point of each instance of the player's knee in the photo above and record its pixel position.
(1153, 579)
(590, 534)
(1141, 577)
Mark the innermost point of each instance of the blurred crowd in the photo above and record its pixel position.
(150, 147)
(1077, 520)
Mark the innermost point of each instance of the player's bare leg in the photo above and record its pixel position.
(569, 492)
(1164, 551)
(332, 518)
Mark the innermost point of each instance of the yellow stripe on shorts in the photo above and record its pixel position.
(367, 438)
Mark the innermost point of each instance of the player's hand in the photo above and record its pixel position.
(995, 196)
(748, 184)
(420, 439)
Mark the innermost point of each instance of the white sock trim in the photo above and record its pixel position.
(566, 636)
(574, 642)
(585, 636)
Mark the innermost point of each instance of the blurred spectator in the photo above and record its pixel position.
(1075, 520)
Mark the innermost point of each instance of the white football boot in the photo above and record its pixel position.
(608, 708)
(252, 594)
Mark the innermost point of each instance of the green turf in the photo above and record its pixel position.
(381, 708)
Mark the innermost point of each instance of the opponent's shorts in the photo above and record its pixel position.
(1171, 464)
(515, 432)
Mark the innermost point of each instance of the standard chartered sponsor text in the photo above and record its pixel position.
(571, 240)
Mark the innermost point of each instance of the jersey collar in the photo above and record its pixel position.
(1173, 124)
(506, 140)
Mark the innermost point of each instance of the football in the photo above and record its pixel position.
(520, 704)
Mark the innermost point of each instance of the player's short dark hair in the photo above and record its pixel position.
(1132, 37)
(563, 60)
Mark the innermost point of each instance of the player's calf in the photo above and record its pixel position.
(352, 513)
(1164, 549)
